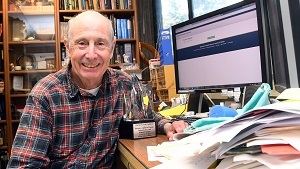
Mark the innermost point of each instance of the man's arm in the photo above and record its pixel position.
(33, 136)
(165, 127)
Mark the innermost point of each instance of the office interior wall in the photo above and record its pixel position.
(294, 7)
(276, 42)
(146, 29)
(289, 43)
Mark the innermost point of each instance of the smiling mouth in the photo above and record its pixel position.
(90, 65)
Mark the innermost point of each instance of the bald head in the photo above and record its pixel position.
(89, 18)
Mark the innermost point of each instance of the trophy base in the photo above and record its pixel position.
(137, 129)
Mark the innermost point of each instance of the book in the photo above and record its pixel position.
(79, 4)
(128, 53)
(121, 52)
(124, 28)
(129, 29)
(119, 29)
(95, 5)
(129, 4)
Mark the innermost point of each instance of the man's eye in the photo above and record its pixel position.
(101, 44)
(82, 43)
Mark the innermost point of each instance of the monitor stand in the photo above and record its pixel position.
(197, 103)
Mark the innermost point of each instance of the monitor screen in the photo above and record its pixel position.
(220, 50)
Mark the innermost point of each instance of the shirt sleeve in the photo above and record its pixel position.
(160, 121)
(29, 149)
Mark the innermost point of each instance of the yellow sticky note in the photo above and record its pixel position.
(146, 100)
(178, 110)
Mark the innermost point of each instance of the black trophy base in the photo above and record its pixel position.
(137, 129)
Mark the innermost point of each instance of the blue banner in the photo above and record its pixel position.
(243, 41)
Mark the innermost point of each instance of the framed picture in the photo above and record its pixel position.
(18, 82)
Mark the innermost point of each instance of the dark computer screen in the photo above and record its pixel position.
(222, 49)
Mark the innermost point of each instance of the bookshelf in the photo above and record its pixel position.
(32, 40)
(123, 15)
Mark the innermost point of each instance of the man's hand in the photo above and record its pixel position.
(175, 127)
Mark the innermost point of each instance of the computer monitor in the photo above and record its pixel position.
(221, 50)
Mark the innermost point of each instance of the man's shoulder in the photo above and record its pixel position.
(119, 75)
(52, 81)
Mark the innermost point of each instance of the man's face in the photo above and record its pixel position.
(90, 49)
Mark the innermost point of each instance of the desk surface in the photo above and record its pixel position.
(138, 149)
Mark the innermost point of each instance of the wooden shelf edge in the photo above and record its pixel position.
(99, 10)
(30, 42)
(31, 71)
(3, 147)
(15, 121)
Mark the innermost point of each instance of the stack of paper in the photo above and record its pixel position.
(267, 137)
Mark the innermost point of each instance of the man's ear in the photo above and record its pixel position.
(67, 45)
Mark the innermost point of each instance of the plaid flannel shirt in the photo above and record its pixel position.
(63, 126)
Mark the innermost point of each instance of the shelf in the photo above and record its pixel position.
(17, 72)
(109, 11)
(3, 147)
(115, 66)
(19, 95)
(15, 121)
(31, 12)
(2, 121)
(31, 42)
(34, 10)
(126, 40)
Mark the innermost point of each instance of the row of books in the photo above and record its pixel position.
(122, 27)
(123, 53)
(94, 4)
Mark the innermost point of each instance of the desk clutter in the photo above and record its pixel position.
(265, 136)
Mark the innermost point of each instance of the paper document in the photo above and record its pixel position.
(290, 94)
(188, 162)
(154, 157)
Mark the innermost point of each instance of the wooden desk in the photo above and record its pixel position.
(133, 153)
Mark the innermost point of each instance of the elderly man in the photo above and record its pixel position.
(71, 117)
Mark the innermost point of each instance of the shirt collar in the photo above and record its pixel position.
(73, 88)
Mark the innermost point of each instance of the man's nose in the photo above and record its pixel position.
(91, 48)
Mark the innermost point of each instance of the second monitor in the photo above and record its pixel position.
(222, 49)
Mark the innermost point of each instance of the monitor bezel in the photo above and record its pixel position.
(263, 40)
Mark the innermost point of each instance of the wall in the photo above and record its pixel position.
(146, 29)
(290, 48)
